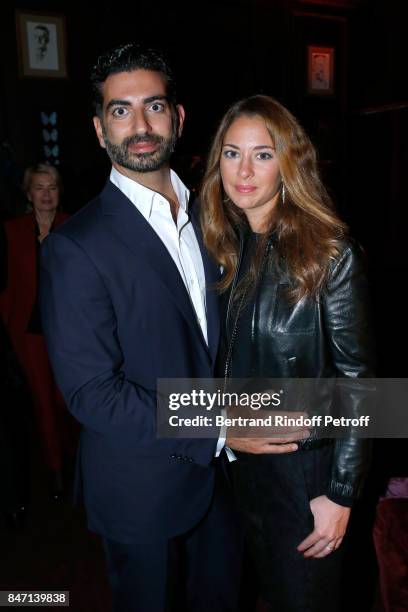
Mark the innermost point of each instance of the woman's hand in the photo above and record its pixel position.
(330, 524)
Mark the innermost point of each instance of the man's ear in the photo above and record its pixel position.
(99, 132)
(181, 113)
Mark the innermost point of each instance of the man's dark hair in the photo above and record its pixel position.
(126, 58)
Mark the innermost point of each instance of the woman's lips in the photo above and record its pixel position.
(245, 188)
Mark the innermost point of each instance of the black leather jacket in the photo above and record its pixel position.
(319, 338)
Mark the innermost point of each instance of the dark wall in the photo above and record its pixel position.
(222, 50)
(378, 54)
(212, 49)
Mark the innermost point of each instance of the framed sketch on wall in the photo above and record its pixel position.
(41, 45)
(320, 71)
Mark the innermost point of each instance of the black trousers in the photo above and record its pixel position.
(272, 493)
(198, 571)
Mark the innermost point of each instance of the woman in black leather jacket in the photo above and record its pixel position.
(295, 299)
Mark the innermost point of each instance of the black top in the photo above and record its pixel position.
(34, 324)
(3, 258)
(240, 365)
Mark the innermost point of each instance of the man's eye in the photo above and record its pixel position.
(156, 107)
(120, 112)
(229, 154)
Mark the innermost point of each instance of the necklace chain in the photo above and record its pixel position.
(233, 337)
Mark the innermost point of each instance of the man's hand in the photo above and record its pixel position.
(260, 446)
(330, 524)
(271, 439)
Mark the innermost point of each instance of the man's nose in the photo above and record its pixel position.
(141, 123)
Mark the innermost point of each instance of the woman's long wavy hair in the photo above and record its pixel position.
(308, 231)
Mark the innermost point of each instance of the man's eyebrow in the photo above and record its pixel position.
(153, 98)
(119, 102)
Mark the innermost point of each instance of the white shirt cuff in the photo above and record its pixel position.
(221, 442)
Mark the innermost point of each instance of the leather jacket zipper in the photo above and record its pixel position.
(264, 262)
(235, 328)
(234, 282)
(232, 340)
(234, 331)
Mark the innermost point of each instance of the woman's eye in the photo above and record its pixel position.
(229, 154)
(264, 156)
(120, 112)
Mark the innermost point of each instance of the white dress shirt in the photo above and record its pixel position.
(179, 239)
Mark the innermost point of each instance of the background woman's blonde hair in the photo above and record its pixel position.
(308, 231)
(41, 168)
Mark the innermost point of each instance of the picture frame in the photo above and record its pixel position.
(41, 44)
(320, 71)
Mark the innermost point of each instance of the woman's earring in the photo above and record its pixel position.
(283, 193)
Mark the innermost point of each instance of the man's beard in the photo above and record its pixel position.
(142, 162)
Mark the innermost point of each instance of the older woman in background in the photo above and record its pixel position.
(295, 298)
(20, 312)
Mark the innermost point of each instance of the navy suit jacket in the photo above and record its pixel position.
(117, 317)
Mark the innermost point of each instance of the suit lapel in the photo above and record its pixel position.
(212, 275)
(140, 238)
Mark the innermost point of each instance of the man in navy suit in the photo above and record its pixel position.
(125, 301)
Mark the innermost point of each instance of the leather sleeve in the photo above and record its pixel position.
(347, 323)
